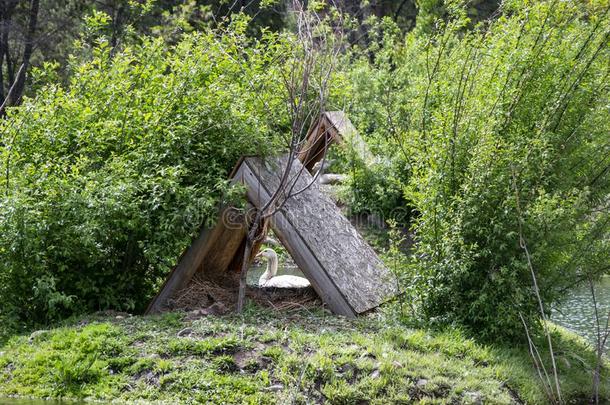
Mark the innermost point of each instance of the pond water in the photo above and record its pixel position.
(577, 312)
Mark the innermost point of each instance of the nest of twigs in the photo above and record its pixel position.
(203, 293)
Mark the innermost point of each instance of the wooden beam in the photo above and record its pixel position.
(180, 275)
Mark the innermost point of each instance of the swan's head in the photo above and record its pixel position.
(272, 262)
(267, 253)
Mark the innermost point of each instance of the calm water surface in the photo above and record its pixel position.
(577, 312)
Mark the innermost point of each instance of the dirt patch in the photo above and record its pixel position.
(149, 377)
(243, 357)
(250, 361)
(513, 393)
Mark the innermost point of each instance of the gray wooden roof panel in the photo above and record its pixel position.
(348, 260)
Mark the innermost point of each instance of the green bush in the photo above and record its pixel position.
(106, 180)
(372, 187)
(502, 130)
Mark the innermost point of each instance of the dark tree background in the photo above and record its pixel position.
(35, 31)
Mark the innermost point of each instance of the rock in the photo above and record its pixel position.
(119, 317)
(332, 178)
(421, 382)
(473, 397)
(217, 308)
(275, 388)
(375, 374)
(36, 334)
(397, 364)
(185, 332)
(367, 354)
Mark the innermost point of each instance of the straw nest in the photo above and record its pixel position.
(204, 293)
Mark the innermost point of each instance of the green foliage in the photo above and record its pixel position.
(106, 180)
(225, 364)
(490, 138)
(503, 133)
(376, 190)
(201, 347)
(68, 362)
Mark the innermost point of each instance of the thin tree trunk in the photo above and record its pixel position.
(117, 21)
(297, 84)
(1, 72)
(600, 343)
(15, 97)
(241, 295)
(10, 92)
(2, 19)
(8, 8)
(254, 234)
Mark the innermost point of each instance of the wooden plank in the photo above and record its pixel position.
(180, 275)
(317, 141)
(211, 253)
(235, 264)
(304, 258)
(324, 244)
(226, 245)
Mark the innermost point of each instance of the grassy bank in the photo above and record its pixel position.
(270, 357)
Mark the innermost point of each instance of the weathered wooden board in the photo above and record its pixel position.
(347, 133)
(212, 251)
(343, 269)
(184, 271)
(225, 245)
(300, 252)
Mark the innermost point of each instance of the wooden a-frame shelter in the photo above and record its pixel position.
(343, 269)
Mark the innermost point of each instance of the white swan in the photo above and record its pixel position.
(269, 278)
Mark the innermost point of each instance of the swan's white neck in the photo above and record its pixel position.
(271, 271)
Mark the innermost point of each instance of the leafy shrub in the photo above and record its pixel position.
(106, 180)
(376, 189)
(503, 130)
